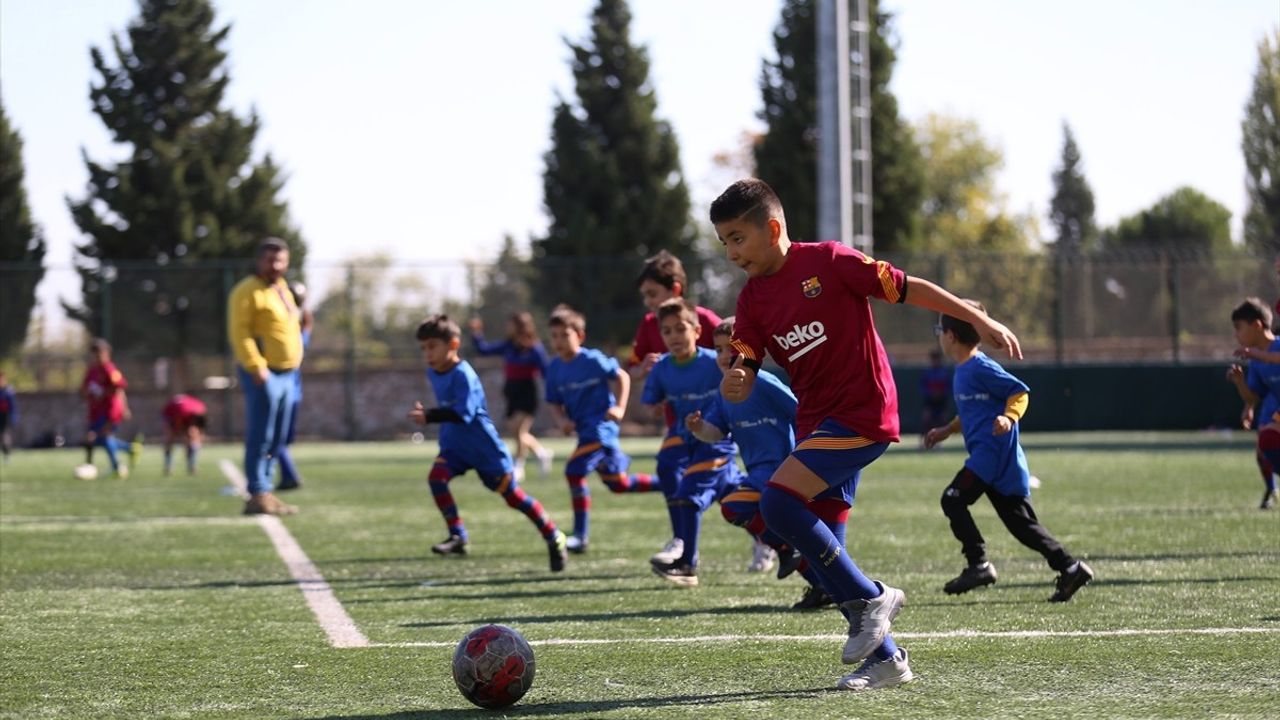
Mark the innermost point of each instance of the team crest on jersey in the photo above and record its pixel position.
(812, 287)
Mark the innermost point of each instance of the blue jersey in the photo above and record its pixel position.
(982, 389)
(1264, 380)
(688, 386)
(581, 386)
(763, 426)
(9, 404)
(475, 439)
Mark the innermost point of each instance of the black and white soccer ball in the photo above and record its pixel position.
(493, 666)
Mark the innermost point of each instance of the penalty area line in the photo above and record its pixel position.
(949, 634)
(332, 616)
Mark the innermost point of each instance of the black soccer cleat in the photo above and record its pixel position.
(813, 598)
(454, 545)
(677, 573)
(558, 551)
(971, 577)
(1070, 582)
(789, 560)
(1268, 500)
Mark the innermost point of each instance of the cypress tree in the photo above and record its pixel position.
(1071, 208)
(21, 243)
(613, 187)
(1261, 144)
(189, 190)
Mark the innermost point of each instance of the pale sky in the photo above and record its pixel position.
(418, 127)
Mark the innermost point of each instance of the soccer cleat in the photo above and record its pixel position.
(557, 549)
(135, 450)
(576, 545)
(677, 573)
(874, 673)
(869, 622)
(453, 545)
(545, 456)
(669, 552)
(1268, 500)
(267, 504)
(762, 557)
(1069, 582)
(813, 598)
(788, 562)
(973, 576)
(517, 472)
(122, 472)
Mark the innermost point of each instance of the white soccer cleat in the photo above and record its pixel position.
(874, 673)
(545, 457)
(517, 472)
(869, 622)
(762, 557)
(669, 552)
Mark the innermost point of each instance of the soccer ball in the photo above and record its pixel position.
(87, 471)
(493, 666)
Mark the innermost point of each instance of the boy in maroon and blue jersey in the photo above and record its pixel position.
(103, 390)
(184, 417)
(469, 440)
(523, 360)
(662, 279)
(1258, 387)
(687, 379)
(8, 414)
(808, 306)
(587, 392)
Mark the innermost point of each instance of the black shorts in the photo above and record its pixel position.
(521, 395)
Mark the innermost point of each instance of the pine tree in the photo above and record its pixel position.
(1071, 208)
(787, 155)
(21, 243)
(613, 187)
(188, 192)
(1261, 145)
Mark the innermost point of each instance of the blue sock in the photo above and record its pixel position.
(789, 517)
(109, 443)
(192, 452)
(690, 528)
(887, 649)
(168, 460)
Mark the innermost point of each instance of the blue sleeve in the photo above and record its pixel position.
(653, 392)
(1253, 378)
(484, 347)
(1001, 384)
(608, 366)
(466, 395)
(552, 386)
(13, 406)
(781, 399)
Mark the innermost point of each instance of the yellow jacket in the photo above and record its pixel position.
(262, 325)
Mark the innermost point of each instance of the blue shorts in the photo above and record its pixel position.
(707, 476)
(671, 457)
(102, 425)
(836, 455)
(492, 469)
(595, 455)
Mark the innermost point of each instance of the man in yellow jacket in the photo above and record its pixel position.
(262, 326)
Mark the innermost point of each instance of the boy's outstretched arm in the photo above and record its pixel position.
(622, 391)
(922, 293)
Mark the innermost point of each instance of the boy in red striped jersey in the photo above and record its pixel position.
(808, 305)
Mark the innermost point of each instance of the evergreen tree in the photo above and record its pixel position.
(189, 191)
(1071, 208)
(505, 289)
(21, 243)
(1185, 220)
(1261, 144)
(786, 157)
(613, 187)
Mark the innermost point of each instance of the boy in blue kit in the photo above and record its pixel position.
(989, 403)
(1252, 323)
(587, 392)
(469, 440)
(688, 379)
(763, 428)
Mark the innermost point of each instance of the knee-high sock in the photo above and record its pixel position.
(112, 446)
(580, 494)
(623, 483)
(517, 498)
(690, 529)
(1268, 471)
(790, 517)
(439, 482)
(193, 450)
(1269, 446)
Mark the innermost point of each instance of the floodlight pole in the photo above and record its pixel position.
(844, 123)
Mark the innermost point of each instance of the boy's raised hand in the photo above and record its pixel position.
(737, 382)
(476, 325)
(935, 436)
(693, 421)
(1235, 374)
(997, 336)
(418, 414)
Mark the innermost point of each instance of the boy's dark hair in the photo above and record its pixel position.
(272, 244)
(664, 269)
(725, 327)
(99, 345)
(678, 307)
(199, 421)
(564, 316)
(751, 199)
(1252, 310)
(439, 327)
(964, 332)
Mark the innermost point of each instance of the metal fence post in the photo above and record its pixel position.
(228, 358)
(1059, 306)
(1175, 317)
(349, 376)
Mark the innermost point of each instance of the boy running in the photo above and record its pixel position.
(808, 306)
(103, 391)
(469, 440)
(1252, 323)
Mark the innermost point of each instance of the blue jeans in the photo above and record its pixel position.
(267, 408)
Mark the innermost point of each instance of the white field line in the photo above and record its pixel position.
(897, 636)
(333, 618)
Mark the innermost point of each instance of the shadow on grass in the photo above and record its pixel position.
(390, 583)
(511, 595)
(603, 616)
(1160, 557)
(592, 707)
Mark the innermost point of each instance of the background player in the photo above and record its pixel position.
(469, 440)
(103, 389)
(989, 403)
(8, 415)
(184, 418)
(935, 390)
(587, 392)
(1251, 321)
(523, 360)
